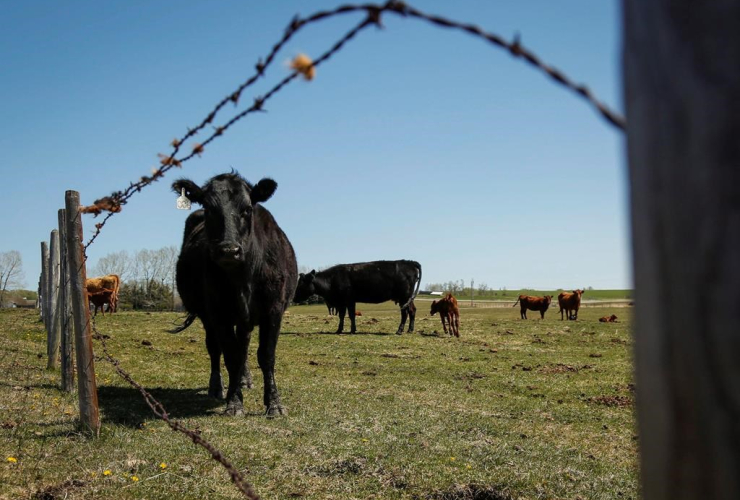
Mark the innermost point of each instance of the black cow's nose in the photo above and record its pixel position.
(231, 250)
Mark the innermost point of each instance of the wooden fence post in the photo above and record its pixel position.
(54, 329)
(682, 97)
(65, 308)
(86, 387)
(42, 286)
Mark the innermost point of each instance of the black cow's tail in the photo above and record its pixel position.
(188, 321)
(515, 303)
(418, 284)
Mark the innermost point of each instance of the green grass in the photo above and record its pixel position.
(530, 409)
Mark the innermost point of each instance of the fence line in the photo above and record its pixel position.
(113, 203)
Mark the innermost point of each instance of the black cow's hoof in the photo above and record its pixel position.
(234, 409)
(399, 332)
(274, 410)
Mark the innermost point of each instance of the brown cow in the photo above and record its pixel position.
(100, 298)
(448, 310)
(570, 303)
(110, 282)
(534, 304)
(609, 319)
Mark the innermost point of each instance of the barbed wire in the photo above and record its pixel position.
(114, 202)
(159, 410)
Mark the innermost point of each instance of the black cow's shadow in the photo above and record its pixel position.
(126, 405)
(346, 334)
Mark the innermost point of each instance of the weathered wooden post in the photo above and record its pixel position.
(42, 286)
(65, 308)
(53, 334)
(682, 97)
(86, 387)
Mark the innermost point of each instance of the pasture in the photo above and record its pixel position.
(513, 409)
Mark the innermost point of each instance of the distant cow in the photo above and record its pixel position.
(373, 282)
(236, 270)
(110, 282)
(609, 319)
(449, 313)
(100, 298)
(540, 304)
(570, 303)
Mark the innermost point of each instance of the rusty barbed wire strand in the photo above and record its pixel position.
(114, 202)
(158, 409)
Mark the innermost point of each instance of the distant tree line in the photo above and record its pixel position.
(147, 277)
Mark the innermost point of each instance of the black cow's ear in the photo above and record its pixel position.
(263, 190)
(193, 192)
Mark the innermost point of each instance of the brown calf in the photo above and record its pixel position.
(570, 303)
(534, 304)
(609, 319)
(448, 310)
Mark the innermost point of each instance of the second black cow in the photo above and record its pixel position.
(371, 282)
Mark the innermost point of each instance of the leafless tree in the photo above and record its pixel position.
(119, 263)
(11, 272)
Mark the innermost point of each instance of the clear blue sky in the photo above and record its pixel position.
(413, 142)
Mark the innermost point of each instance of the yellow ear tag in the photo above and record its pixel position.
(182, 201)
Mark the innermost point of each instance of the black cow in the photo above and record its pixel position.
(372, 282)
(236, 270)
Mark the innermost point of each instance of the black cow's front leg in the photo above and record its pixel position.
(215, 384)
(342, 310)
(246, 379)
(235, 353)
(269, 332)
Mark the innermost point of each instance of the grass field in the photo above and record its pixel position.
(513, 409)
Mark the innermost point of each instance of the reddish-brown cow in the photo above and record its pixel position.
(533, 304)
(609, 319)
(111, 282)
(570, 303)
(449, 312)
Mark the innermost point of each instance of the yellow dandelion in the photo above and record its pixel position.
(107, 472)
(364, 440)
(12, 460)
(163, 465)
(304, 65)
(468, 466)
(452, 459)
(134, 478)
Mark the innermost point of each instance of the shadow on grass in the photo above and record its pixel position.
(126, 405)
(346, 333)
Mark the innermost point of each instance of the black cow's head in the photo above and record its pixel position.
(305, 287)
(228, 201)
